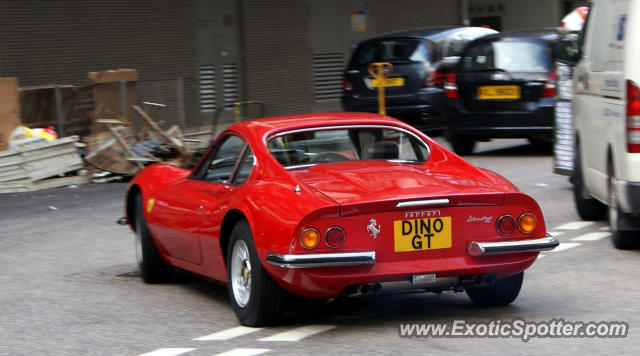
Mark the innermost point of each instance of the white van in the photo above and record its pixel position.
(606, 119)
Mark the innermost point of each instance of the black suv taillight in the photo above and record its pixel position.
(346, 85)
(549, 89)
(450, 86)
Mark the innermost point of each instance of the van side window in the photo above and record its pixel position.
(583, 33)
(595, 48)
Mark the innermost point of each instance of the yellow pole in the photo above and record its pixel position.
(380, 71)
(236, 112)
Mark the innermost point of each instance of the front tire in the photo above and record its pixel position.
(588, 208)
(622, 239)
(502, 292)
(462, 145)
(152, 268)
(257, 299)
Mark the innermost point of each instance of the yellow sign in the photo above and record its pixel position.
(422, 234)
(380, 71)
(493, 92)
(388, 82)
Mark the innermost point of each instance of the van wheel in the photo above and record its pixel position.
(622, 239)
(502, 292)
(588, 208)
(463, 146)
(257, 299)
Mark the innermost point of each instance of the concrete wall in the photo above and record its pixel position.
(394, 15)
(277, 54)
(45, 42)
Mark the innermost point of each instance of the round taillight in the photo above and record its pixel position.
(527, 223)
(506, 225)
(334, 237)
(309, 238)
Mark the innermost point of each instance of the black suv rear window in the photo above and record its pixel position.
(509, 56)
(390, 50)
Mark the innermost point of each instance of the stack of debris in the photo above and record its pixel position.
(122, 150)
(41, 165)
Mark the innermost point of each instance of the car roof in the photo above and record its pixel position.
(427, 32)
(548, 34)
(260, 128)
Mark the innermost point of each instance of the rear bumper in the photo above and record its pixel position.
(496, 124)
(423, 108)
(322, 259)
(495, 248)
(629, 196)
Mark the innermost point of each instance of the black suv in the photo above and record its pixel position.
(503, 87)
(415, 56)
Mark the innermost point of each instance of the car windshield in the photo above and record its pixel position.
(508, 56)
(355, 143)
(390, 50)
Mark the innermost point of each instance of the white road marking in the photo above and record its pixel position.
(244, 352)
(298, 334)
(574, 225)
(605, 228)
(555, 233)
(540, 256)
(565, 246)
(172, 351)
(228, 333)
(592, 236)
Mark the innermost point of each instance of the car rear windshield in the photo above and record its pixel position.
(354, 143)
(509, 56)
(390, 50)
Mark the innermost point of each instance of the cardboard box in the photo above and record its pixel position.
(9, 109)
(107, 95)
(113, 75)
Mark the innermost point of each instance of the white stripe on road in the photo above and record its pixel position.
(574, 225)
(244, 352)
(555, 233)
(540, 256)
(298, 334)
(592, 236)
(228, 333)
(605, 228)
(172, 351)
(565, 246)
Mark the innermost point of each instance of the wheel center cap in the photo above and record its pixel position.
(244, 273)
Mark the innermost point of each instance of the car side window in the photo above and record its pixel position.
(222, 164)
(245, 167)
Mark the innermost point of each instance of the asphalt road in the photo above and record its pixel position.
(69, 286)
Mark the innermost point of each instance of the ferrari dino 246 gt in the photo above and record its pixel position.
(334, 204)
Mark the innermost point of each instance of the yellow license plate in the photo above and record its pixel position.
(388, 82)
(422, 234)
(492, 92)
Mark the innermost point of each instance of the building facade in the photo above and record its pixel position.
(288, 54)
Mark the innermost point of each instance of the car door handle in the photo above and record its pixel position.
(353, 71)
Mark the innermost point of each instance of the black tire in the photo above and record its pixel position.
(152, 268)
(622, 239)
(502, 292)
(540, 144)
(588, 208)
(263, 303)
(463, 146)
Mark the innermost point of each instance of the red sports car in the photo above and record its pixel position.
(334, 204)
